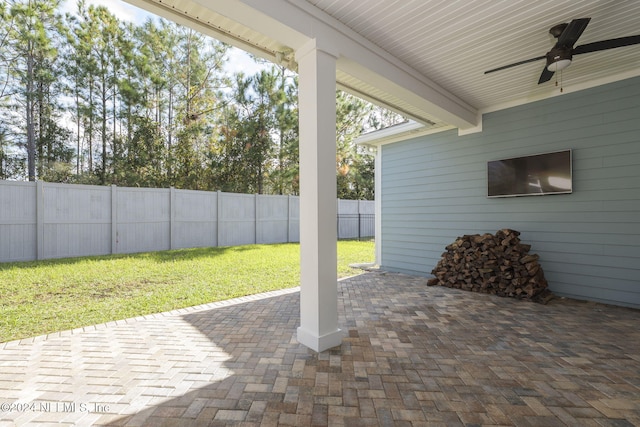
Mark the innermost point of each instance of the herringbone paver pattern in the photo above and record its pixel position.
(412, 356)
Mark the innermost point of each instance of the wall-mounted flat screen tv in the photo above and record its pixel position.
(535, 175)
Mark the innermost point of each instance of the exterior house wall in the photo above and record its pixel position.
(433, 189)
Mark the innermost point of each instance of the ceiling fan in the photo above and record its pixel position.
(559, 57)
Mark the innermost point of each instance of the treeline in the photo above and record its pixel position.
(87, 98)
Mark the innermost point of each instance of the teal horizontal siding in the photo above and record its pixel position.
(434, 190)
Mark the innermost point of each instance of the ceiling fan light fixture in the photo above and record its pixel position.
(558, 58)
(559, 65)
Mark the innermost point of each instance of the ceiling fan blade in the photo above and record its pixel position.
(607, 44)
(573, 31)
(526, 61)
(545, 76)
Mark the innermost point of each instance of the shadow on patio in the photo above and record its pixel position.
(412, 355)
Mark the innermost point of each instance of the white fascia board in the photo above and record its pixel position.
(397, 133)
(198, 23)
(294, 22)
(272, 18)
(370, 138)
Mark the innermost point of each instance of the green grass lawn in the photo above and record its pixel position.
(41, 297)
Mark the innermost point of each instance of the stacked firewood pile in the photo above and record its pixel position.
(495, 264)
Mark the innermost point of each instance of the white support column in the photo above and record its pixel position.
(318, 236)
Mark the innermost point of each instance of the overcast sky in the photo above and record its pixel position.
(238, 59)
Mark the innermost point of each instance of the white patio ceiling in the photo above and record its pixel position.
(426, 58)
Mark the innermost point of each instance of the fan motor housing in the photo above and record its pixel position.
(559, 53)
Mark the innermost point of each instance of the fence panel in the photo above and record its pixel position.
(356, 219)
(236, 219)
(77, 220)
(195, 219)
(47, 220)
(272, 219)
(143, 220)
(294, 219)
(347, 219)
(367, 212)
(18, 221)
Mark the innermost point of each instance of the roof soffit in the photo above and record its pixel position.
(264, 27)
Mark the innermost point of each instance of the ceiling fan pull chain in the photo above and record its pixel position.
(559, 84)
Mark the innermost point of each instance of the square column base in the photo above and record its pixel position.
(319, 344)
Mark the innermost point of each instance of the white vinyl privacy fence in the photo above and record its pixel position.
(47, 220)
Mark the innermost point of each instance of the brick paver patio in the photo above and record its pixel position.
(412, 355)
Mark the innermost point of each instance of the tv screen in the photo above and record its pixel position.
(535, 175)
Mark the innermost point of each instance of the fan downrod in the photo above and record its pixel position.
(556, 30)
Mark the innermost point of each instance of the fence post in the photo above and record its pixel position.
(114, 219)
(338, 218)
(172, 219)
(39, 220)
(218, 215)
(338, 212)
(360, 208)
(288, 218)
(255, 216)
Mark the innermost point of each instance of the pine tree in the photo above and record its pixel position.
(33, 76)
(199, 80)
